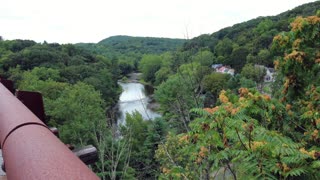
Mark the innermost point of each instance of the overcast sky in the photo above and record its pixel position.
(73, 21)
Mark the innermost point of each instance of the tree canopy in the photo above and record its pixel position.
(252, 135)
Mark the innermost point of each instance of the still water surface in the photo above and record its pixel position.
(134, 98)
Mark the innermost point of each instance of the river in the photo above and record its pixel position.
(134, 98)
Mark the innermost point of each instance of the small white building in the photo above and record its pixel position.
(270, 76)
(223, 69)
(270, 73)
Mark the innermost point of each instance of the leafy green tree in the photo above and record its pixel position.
(103, 81)
(299, 75)
(143, 138)
(49, 88)
(192, 74)
(233, 83)
(74, 107)
(167, 59)
(46, 73)
(238, 58)
(220, 60)
(179, 58)
(205, 58)
(224, 47)
(215, 82)
(264, 57)
(157, 132)
(251, 59)
(255, 73)
(162, 75)
(299, 67)
(174, 103)
(33, 56)
(77, 110)
(149, 65)
(240, 136)
(125, 67)
(18, 45)
(263, 41)
(264, 26)
(251, 135)
(247, 83)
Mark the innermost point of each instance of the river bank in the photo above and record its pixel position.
(131, 78)
(138, 97)
(149, 89)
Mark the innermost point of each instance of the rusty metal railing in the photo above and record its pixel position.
(30, 150)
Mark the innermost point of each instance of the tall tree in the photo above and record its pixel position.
(149, 65)
(251, 135)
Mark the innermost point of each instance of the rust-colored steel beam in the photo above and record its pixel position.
(34, 102)
(29, 148)
(8, 84)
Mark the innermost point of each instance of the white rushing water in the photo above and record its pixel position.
(133, 98)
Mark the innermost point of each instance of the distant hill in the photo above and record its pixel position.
(116, 46)
(249, 41)
(143, 44)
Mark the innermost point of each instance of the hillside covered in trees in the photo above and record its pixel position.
(128, 45)
(129, 50)
(253, 135)
(213, 124)
(234, 124)
(248, 42)
(143, 45)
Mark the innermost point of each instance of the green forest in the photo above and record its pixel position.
(213, 125)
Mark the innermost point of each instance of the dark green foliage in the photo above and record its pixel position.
(126, 67)
(131, 49)
(162, 75)
(18, 45)
(143, 45)
(149, 65)
(247, 83)
(179, 93)
(157, 131)
(252, 37)
(179, 58)
(77, 87)
(238, 58)
(37, 55)
(204, 57)
(254, 73)
(249, 135)
(144, 138)
(215, 82)
(72, 64)
(224, 47)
